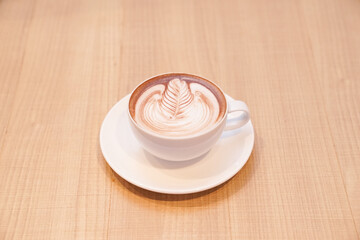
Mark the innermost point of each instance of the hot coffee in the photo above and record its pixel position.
(177, 105)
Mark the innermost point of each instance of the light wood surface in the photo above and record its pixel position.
(64, 63)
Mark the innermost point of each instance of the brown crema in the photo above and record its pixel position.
(177, 105)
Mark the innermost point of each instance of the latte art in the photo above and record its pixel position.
(177, 108)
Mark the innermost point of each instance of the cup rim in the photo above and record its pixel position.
(178, 137)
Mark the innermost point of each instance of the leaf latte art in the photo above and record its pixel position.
(177, 108)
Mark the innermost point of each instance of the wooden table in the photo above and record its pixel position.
(65, 63)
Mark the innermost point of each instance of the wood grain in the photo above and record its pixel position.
(63, 64)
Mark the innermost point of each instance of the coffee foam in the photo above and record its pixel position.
(177, 108)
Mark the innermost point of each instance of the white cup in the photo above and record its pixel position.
(192, 146)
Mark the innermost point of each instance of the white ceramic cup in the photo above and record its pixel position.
(191, 146)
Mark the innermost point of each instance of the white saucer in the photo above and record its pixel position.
(127, 158)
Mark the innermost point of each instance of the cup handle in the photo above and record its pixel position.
(238, 115)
